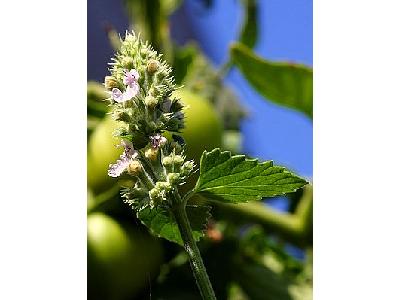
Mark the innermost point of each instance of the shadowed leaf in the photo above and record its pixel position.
(161, 221)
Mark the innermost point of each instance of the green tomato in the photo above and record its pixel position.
(203, 127)
(121, 259)
(102, 152)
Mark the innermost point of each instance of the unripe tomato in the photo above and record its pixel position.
(121, 259)
(102, 151)
(203, 127)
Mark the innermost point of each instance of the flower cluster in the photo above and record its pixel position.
(140, 88)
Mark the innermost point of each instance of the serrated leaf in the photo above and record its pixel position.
(236, 179)
(249, 33)
(284, 83)
(161, 221)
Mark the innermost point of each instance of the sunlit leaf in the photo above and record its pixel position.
(284, 83)
(237, 179)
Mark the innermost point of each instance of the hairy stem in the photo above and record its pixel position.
(196, 262)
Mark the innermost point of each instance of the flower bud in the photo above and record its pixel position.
(161, 75)
(144, 52)
(159, 192)
(167, 161)
(152, 66)
(134, 168)
(178, 160)
(121, 116)
(127, 62)
(187, 168)
(173, 178)
(152, 125)
(163, 186)
(151, 153)
(150, 101)
(154, 193)
(154, 92)
(172, 162)
(110, 82)
(155, 197)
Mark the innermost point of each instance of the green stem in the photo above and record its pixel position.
(188, 195)
(225, 68)
(196, 262)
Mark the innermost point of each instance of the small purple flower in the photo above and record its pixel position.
(131, 91)
(128, 149)
(116, 95)
(157, 140)
(115, 170)
(131, 77)
(132, 87)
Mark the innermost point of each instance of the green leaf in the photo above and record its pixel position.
(161, 221)
(284, 83)
(249, 33)
(236, 179)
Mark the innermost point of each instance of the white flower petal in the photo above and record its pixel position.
(115, 170)
(116, 95)
(131, 91)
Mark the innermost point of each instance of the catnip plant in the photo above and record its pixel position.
(140, 87)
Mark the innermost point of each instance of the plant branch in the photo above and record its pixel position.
(104, 198)
(296, 228)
